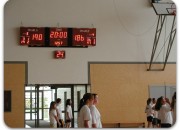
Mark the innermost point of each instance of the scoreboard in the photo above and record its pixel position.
(57, 37)
(32, 35)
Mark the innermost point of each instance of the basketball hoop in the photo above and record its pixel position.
(174, 12)
(164, 8)
(173, 9)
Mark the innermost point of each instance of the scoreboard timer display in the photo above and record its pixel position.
(59, 54)
(57, 37)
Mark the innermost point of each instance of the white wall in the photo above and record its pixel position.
(156, 91)
(125, 33)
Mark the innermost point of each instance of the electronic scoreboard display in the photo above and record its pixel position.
(84, 37)
(59, 54)
(57, 37)
(33, 36)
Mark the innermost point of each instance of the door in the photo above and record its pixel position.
(37, 102)
(79, 91)
(65, 93)
(31, 102)
(73, 92)
(39, 97)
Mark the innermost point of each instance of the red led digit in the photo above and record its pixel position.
(94, 41)
(56, 34)
(34, 36)
(28, 40)
(82, 38)
(88, 41)
(77, 37)
(22, 40)
(60, 54)
(52, 34)
(62, 34)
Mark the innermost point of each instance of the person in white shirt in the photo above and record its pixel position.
(59, 111)
(155, 121)
(165, 112)
(53, 117)
(84, 114)
(149, 112)
(173, 106)
(69, 115)
(96, 116)
(157, 108)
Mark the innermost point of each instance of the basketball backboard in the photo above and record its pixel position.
(164, 8)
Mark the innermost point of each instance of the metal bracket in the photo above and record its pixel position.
(159, 27)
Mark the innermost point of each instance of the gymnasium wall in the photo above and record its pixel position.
(123, 89)
(125, 33)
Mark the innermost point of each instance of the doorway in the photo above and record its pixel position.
(38, 98)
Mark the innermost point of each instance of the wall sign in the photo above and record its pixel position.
(7, 101)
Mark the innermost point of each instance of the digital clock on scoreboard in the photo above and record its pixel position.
(32, 36)
(58, 37)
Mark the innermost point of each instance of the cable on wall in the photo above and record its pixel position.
(131, 33)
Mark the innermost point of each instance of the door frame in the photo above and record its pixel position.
(71, 86)
(54, 86)
(72, 96)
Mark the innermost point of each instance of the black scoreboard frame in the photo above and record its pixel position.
(27, 33)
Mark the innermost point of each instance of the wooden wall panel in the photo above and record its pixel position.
(123, 89)
(14, 80)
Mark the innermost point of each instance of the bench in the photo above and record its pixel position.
(123, 125)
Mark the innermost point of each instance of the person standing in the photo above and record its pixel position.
(84, 114)
(157, 108)
(149, 112)
(165, 112)
(173, 106)
(69, 115)
(59, 111)
(155, 115)
(96, 116)
(53, 117)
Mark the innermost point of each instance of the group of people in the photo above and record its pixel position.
(161, 112)
(88, 114)
(55, 114)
